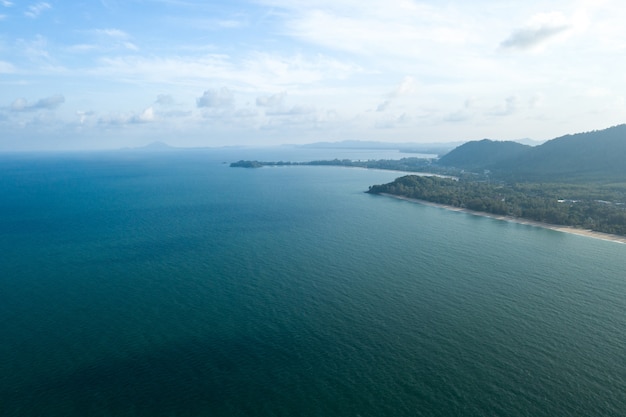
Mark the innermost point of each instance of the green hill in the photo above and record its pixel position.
(483, 154)
(595, 155)
(592, 156)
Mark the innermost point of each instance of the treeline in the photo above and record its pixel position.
(584, 206)
(405, 164)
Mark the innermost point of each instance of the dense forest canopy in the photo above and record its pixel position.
(600, 209)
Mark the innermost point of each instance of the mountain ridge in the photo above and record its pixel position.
(594, 155)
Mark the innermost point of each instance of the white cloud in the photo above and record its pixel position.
(36, 9)
(277, 114)
(393, 122)
(83, 47)
(112, 33)
(229, 24)
(271, 100)
(464, 114)
(230, 117)
(114, 119)
(371, 27)
(598, 92)
(458, 116)
(252, 73)
(406, 87)
(84, 115)
(544, 27)
(247, 115)
(112, 38)
(173, 114)
(510, 106)
(216, 98)
(529, 38)
(536, 101)
(383, 106)
(130, 46)
(368, 63)
(48, 103)
(35, 50)
(293, 111)
(6, 68)
(19, 104)
(165, 100)
(300, 119)
(6, 3)
(295, 70)
(43, 59)
(120, 119)
(146, 116)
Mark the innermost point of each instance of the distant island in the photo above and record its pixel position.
(574, 181)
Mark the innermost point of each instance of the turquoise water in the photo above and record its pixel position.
(172, 285)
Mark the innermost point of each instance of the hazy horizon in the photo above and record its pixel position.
(109, 75)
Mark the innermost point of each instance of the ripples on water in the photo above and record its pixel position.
(152, 285)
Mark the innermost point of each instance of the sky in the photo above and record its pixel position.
(123, 73)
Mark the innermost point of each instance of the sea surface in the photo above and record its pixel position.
(169, 284)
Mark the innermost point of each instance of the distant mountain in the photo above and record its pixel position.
(430, 148)
(156, 146)
(530, 142)
(591, 156)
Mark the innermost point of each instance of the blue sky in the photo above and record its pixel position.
(109, 74)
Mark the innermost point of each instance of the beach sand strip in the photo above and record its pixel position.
(565, 229)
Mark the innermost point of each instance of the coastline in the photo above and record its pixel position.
(565, 229)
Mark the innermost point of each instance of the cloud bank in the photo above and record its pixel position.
(398, 70)
(528, 38)
(48, 103)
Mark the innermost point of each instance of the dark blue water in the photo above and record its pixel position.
(172, 285)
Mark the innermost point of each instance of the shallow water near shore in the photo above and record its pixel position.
(147, 284)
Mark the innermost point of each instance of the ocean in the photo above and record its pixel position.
(169, 284)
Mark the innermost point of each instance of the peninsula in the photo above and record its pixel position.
(574, 183)
(411, 164)
(532, 204)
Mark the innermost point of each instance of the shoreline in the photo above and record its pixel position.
(565, 229)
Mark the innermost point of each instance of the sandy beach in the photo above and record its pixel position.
(565, 229)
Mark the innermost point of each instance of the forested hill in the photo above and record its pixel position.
(482, 154)
(592, 156)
